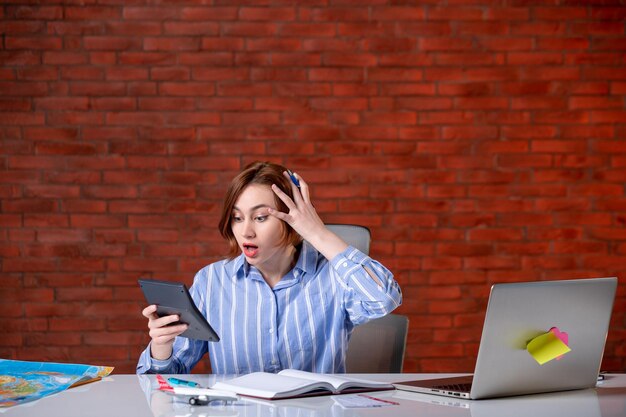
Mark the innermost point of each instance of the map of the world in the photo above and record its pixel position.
(21, 381)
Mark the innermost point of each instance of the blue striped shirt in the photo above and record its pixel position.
(304, 322)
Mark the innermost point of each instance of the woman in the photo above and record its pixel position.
(289, 294)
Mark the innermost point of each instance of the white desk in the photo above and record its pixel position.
(131, 395)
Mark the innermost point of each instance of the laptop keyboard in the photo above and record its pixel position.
(455, 387)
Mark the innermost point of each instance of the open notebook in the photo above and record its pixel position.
(537, 337)
(290, 383)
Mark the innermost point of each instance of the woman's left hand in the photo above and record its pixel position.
(303, 218)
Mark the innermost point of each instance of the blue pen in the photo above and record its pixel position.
(182, 382)
(293, 178)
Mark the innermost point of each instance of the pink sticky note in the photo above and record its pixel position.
(563, 336)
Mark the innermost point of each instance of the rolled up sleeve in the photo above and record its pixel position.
(365, 298)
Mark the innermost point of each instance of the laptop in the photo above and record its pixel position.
(582, 403)
(520, 312)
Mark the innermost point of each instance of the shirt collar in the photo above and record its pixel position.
(307, 261)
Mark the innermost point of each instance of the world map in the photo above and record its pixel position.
(22, 381)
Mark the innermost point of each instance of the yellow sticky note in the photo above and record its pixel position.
(546, 347)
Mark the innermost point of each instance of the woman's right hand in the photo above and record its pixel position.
(161, 333)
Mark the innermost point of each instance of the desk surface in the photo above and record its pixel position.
(132, 395)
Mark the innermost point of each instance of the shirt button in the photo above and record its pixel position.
(345, 264)
(271, 331)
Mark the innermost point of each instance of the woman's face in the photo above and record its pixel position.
(258, 234)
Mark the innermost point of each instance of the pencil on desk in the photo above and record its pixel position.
(379, 399)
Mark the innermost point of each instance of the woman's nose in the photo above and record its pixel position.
(248, 228)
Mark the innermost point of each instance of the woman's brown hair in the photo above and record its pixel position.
(263, 173)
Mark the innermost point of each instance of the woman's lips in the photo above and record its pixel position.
(250, 250)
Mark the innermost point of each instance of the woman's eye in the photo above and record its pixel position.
(261, 218)
(236, 219)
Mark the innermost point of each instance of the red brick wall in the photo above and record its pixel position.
(481, 141)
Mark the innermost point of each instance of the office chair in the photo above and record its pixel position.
(356, 236)
(377, 346)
